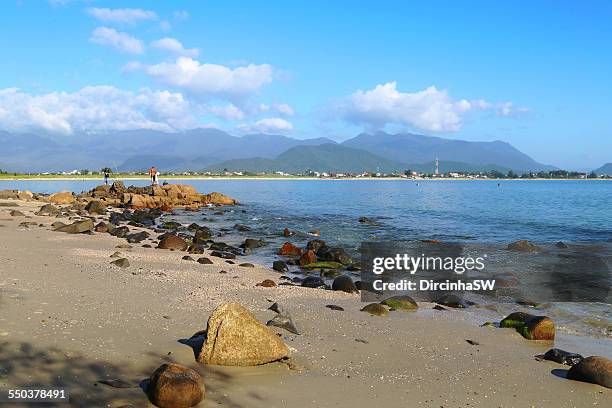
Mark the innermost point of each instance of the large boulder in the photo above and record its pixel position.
(530, 326)
(308, 257)
(334, 254)
(9, 194)
(48, 209)
(175, 386)
(236, 338)
(344, 283)
(594, 369)
(63, 197)
(77, 227)
(95, 207)
(171, 241)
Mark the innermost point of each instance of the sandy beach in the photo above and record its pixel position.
(70, 318)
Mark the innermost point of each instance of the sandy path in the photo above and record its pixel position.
(70, 318)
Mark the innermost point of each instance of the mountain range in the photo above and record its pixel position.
(212, 149)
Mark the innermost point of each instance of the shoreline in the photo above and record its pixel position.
(95, 321)
(288, 178)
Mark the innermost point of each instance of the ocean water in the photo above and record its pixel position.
(483, 215)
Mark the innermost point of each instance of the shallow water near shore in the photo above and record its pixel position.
(481, 214)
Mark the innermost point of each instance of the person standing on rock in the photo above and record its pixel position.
(106, 176)
(153, 175)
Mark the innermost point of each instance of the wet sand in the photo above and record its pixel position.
(69, 318)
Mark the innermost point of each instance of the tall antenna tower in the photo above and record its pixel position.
(437, 167)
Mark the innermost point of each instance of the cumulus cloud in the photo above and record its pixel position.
(121, 16)
(211, 79)
(430, 109)
(227, 112)
(175, 47)
(116, 39)
(268, 125)
(93, 108)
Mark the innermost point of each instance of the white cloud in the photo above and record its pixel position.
(284, 109)
(211, 79)
(121, 16)
(507, 109)
(227, 112)
(268, 125)
(116, 39)
(175, 47)
(93, 108)
(131, 67)
(431, 109)
(180, 15)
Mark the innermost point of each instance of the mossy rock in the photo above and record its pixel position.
(323, 265)
(529, 326)
(375, 309)
(401, 302)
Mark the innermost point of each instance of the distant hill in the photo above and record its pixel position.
(328, 157)
(198, 149)
(411, 148)
(605, 170)
(336, 158)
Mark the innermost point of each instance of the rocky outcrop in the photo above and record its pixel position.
(77, 227)
(236, 338)
(164, 197)
(173, 242)
(175, 386)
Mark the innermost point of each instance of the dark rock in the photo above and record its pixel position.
(16, 213)
(196, 249)
(562, 357)
(284, 321)
(246, 265)
(175, 386)
(314, 282)
(251, 243)
(454, 301)
(101, 227)
(594, 369)
(287, 233)
(137, 237)
(242, 228)
(280, 266)
(335, 307)
(439, 308)
(222, 246)
(77, 227)
(315, 245)
(267, 283)
(146, 246)
(344, 283)
(171, 241)
(171, 225)
(334, 254)
(364, 220)
(523, 246)
(561, 245)
(222, 254)
(120, 232)
(187, 258)
(121, 262)
(202, 235)
(205, 261)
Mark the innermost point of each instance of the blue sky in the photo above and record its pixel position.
(535, 74)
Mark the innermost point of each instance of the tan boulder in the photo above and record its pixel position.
(218, 198)
(236, 338)
(63, 197)
(25, 195)
(171, 241)
(77, 227)
(175, 386)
